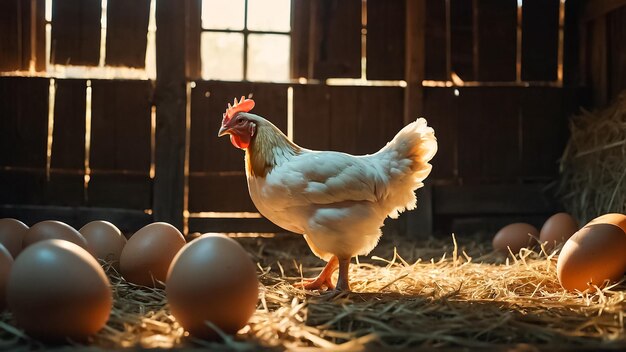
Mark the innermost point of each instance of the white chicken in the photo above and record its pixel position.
(336, 200)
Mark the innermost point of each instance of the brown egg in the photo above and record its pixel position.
(611, 218)
(6, 262)
(57, 289)
(594, 254)
(515, 236)
(149, 252)
(557, 229)
(11, 234)
(212, 278)
(53, 230)
(105, 240)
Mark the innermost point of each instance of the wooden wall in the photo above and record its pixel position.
(501, 129)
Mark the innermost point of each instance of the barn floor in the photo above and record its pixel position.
(426, 295)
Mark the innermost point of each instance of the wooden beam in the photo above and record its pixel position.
(414, 61)
(599, 8)
(171, 100)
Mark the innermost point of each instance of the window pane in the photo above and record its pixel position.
(222, 14)
(268, 57)
(222, 56)
(269, 15)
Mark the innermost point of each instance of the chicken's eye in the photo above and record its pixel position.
(240, 121)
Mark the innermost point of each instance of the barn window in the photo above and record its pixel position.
(246, 40)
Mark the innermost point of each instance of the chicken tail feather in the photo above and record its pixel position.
(409, 153)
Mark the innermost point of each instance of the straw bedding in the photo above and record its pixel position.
(433, 294)
(593, 166)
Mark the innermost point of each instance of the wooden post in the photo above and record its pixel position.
(170, 100)
(415, 58)
(420, 221)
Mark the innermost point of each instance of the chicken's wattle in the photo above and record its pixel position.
(239, 142)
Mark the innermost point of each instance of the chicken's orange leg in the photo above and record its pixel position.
(324, 278)
(343, 283)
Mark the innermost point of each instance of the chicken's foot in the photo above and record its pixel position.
(324, 278)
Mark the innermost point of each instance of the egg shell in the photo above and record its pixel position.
(57, 289)
(592, 255)
(557, 229)
(611, 218)
(11, 234)
(149, 252)
(212, 278)
(516, 236)
(53, 230)
(105, 241)
(6, 262)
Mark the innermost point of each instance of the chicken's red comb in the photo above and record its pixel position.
(243, 105)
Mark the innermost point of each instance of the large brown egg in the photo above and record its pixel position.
(594, 255)
(105, 240)
(515, 236)
(6, 262)
(11, 234)
(148, 253)
(57, 289)
(212, 279)
(557, 229)
(53, 230)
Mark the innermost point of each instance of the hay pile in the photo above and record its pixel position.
(593, 166)
(463, 297)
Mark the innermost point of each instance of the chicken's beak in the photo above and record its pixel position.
(223, 131)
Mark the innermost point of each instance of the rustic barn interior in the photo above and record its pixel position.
(109, 109)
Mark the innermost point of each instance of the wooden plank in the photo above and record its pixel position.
(260, 225)
(540, 40)
(76, 32)
(127, 28)
(436, 42)
(209, 101)
(120, 125)
(544, 132)
(497, 30)
(599, 8)
(10, 41)
(63, 189)
(117, 190)
(364, 119)
(33, 35)
(442, 114)
(462, 39)
(193, 30)
(24, 121)
(488, 148)
(380, 117)
(572, 45)
(300, 34)
(493, 199)
(386, 29)
(128, 221)
(597, 62)
(219, 193)
(311, 115)
(415, 58)
(336, 38)
(68, 147)
(617, 52)
(344, 117)
(22, 187)
(171, 101)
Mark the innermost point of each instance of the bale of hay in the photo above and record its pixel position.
(593, 165)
